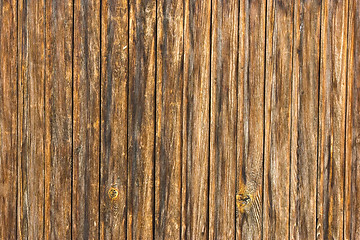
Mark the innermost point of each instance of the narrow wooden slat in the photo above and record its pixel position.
(58, 119)
(250, 123)
(169, 89)
(31, 65)
(114, 92)
(279, 48)
(141, 118)
(86, 120)
(332, 105)
(196, 117)
(352, 141)
(224, 56)
(8, 119)
(304, 131)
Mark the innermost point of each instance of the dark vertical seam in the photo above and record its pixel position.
(100, 108)
(44, 132)
(264, 125)
(291, 114)
(237, 119)
(209, 137)
(154, 147)
(182, 122)
(72, 116)
(318, 130)
(346, 109)
(17, 117)
(127, 121)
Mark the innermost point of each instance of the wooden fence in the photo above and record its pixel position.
(180, 119)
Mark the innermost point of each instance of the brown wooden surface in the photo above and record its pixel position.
(162, 119)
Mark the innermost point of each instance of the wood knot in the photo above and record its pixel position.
(113, 193)
(242, 200)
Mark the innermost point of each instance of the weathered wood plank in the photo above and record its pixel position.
(58, 119)
(114, 102)
(279, 51)
(332, 105)
(31, 122)
(86, 120)
(251, 121)
(304, 130)
(196, 117)
(169, 90)
(141, 119)
(352, 141)
(224, 56)
(8, 119)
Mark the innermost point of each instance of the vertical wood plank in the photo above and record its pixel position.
(114, 102)
(304, 130)
(141, 135)
(169, 90)
(31, 65)
(224, 50)
(279, 50)
(8, 119)
(58, 119)
(196, 100)
(251, 121)
(352, 141)
(86, 120)
(332, 105)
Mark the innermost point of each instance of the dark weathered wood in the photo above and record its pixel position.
(196, 117)
(304, 130)
(86, 120)
(250, 122)
(169, 89)
(223, 105)
(114, 103)
(141, 118)
(352, 140)
(58, 119)
(332, 104)
(31, 121)
(279, 49)
(8, 119)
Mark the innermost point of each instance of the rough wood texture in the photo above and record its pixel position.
(31, 65)
(352, 170)
(332, 105)
(141, 109)
(58, 119)
(169, 89)
(8, 119)
(223, 105)
(196, 117)
(250, 121)
(114, 103)
(304, 130)
(279, 49)
(86, 120)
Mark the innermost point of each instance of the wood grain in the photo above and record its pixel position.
(352, 140)
(223, 105)
(332, 105)
(31, 121)
(8, 119)
(279, 54)
(86, 120)
(58, 119)
(304, 130)
(196, 117)
(169, 89)
(141, 118)
(114, 115)
(250, 121)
